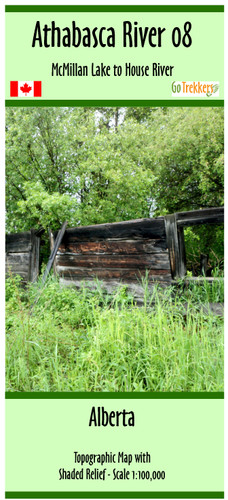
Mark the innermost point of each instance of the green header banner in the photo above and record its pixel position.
(114, 8)
(148, 54)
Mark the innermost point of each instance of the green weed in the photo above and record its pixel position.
(83, 340)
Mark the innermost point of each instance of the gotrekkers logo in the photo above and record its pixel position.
(195, 89)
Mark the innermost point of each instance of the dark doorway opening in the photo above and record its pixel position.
(203, 232)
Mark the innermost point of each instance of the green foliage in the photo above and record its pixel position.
(208, 293)
(46, 209)
(12, 289)
(207, 240)
(204, 292)
(113, 162)
(91, 341)
(188, 146)
(90, 166)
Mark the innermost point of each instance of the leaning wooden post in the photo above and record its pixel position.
(54, 251)
(50, 261)
(52, 242)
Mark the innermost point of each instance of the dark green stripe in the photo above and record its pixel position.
(28, 103)
(114, 8)
(114, 395)
(117, 494)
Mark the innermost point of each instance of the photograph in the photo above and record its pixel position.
(114, 249)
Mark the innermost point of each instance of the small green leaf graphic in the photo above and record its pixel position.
(215, 88)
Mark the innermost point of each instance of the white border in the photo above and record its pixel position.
(2, 183)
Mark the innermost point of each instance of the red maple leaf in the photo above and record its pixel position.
(26, 89)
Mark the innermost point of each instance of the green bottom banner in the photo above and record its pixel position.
(114, 448)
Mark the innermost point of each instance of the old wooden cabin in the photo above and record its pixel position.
(128, 251)
(121, 252)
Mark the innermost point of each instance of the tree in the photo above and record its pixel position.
(188, 156)
(99, 163)
(96, 165)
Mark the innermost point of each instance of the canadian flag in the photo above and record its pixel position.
(25, 89)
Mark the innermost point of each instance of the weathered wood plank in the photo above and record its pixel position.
(19, 242)
(131, 274)
(22, 253)
(173, 244)
(114, 247)
(182, 264)
(18, 263)
(134, 229)
(133, 287)
(202, 279)
(34, 259)
(204, 216)
(140, 261)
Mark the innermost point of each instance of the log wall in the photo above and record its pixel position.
(128, 251)
(122, 252)
(22, 254)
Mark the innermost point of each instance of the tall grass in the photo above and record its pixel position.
(89, 341)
